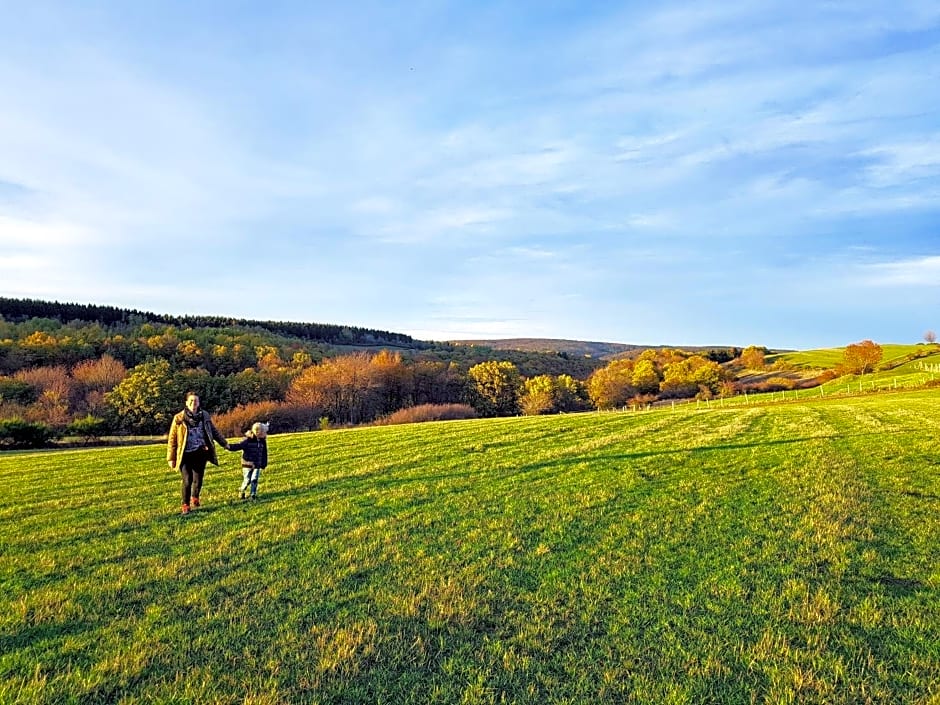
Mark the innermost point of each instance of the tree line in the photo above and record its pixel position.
(125, 374)
(15, 310)
(90, 379)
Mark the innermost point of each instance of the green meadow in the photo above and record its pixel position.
(828, 358)
(897, 371)
(771, 553)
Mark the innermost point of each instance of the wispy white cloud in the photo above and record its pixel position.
(40, 237)
(914, 272)
(903, 162)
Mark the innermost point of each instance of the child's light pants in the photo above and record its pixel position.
(250, 477)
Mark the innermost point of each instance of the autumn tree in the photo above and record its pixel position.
(678, 380)
(269, 357)
(102, 374)
(645, 377)
(691, 376)
(54, 399)
(300, 360)
(663, 356)
(250, 386)
(393, 380)
(570, 394)
(753, 357)
(861, 358)
(930, 337)
(538, 395)
(438, 383)
(146, 398)
(190, 354)
(709, 375)
(343, 388)
(496, 388)
(612, 387)
(94, 379)
(163, 345)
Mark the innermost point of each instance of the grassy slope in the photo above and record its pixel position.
(829, 358)
(776, 553)
(901, 373)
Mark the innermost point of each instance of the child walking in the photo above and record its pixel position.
(254, 450)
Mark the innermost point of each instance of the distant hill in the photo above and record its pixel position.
(579, 348)
(16, 310)
(319, 340)
(532, 356)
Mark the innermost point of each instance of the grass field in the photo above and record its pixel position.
(901, 374)
(828, 358)
(775, 554)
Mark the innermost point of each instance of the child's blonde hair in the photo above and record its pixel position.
(259, 428)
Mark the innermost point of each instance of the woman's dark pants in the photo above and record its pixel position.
(192, 469)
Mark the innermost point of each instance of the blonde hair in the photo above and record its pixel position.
(258, 427)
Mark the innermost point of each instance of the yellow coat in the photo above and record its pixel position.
(176, 439)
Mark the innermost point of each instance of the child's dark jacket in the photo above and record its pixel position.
(254, 451)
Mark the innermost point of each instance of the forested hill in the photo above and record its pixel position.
(581, 348)
(593, 349)
(83, 331)
(17, 310)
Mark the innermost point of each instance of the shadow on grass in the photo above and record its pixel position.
(900, 587)
(30, 636)
(920, 495)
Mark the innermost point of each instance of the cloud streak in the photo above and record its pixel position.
(919, 272)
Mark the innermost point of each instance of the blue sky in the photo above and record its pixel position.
(678, 173)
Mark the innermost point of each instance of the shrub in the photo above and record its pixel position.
(773, 384)
(238, 420)
(90, 428)
(282, 416)
(642, 401)
(704, 393)
(17, 433)
(429, 412)
(782, 383)
(12, 410)
(18, 391)
(825, 376)
(293, 417)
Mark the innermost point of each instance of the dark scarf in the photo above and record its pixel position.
(190, 419)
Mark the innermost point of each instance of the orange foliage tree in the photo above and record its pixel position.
(861, 358)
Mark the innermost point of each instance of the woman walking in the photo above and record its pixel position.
(189, 446)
